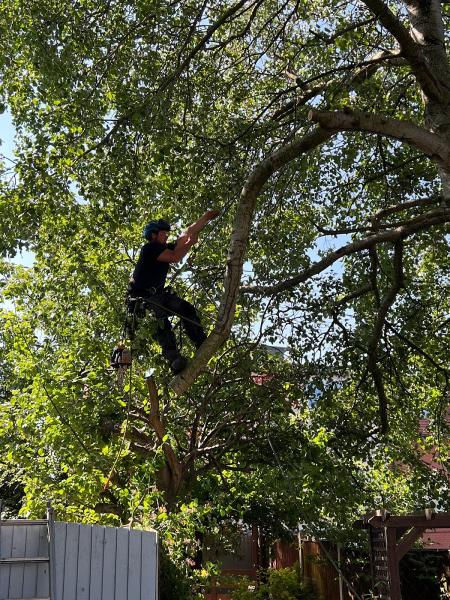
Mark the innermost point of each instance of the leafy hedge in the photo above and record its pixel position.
(282, 584)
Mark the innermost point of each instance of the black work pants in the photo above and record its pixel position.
(166, 304)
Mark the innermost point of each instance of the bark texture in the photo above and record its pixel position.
(421, 46)
(238, 247)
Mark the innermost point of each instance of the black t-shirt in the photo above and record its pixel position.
(149, 272)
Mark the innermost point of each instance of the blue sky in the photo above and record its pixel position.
(7, 135)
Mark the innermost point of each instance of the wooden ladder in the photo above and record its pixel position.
(378, 546)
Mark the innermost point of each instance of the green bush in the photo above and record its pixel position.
(246, 590)
(282, 584)
(422, 574)
(172, 581)
(285, 584)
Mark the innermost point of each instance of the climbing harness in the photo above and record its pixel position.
(137, 306)
(136, 309)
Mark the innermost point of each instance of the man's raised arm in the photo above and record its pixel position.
(188, 238)
(194, 229)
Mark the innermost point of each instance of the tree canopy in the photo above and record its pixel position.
(321, 130)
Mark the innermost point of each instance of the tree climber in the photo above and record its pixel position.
(149, 279)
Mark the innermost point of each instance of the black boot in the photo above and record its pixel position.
(178, 364)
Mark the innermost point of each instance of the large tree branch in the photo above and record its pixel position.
(237, 249)
(389, 210)
(427, 26)
(421, 223)
(392, 24)
(370, 64)
(426, 141)
(410, 49)
(375, 219)
(380, 59)
(363, 71)
(427, 29)
(386, 304)
(174, 464)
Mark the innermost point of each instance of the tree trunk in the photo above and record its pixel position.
(427, 30)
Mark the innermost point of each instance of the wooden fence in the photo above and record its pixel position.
(315, 567)
(68, 561)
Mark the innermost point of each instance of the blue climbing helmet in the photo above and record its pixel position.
(154, 227)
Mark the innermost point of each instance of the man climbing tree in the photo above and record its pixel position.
(325, 127)
(149, 278)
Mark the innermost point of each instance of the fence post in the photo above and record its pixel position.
(51, 552)
(341, 587)
(300, 549)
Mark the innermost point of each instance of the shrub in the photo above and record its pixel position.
(282, 584)
(285, 584)
(173, 582)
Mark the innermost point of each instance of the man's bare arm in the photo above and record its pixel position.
(195, 228)
(187, 239)
(180, 251)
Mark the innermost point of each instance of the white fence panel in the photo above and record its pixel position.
(105, 563)
(91, 562)
(23, 580)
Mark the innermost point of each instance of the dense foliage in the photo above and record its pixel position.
(283, 584)
(321, 130)
(424, 575)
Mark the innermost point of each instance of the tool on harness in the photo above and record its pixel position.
(135, 311)
(121, 361)
(137, 307)
(120, 357)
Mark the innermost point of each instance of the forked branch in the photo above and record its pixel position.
(155, 419)
(372, 350)
(415, 225)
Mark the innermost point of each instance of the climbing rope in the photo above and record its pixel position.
(122, 371)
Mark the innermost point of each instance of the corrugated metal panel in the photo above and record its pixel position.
(437, 539)
(91, 563)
